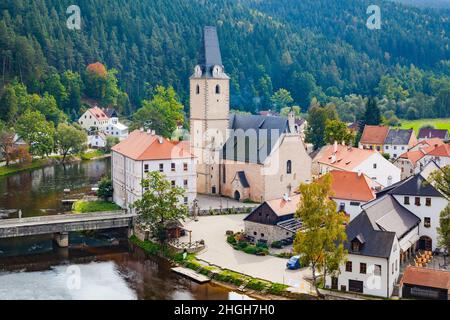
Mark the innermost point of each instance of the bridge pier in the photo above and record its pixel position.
(62, 239)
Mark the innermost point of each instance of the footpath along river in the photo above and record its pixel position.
(101, 265)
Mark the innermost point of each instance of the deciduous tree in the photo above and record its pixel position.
(162, 113)
(320, 243)
(69, 140)
(160, 204)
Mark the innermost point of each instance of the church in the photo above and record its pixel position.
(245, 157)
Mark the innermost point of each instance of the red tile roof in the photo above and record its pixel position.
(374, 134)
(141, 145)
(282, 207)
(431, 278)
(441, 151)
(353, 186)
(346, 158)
(98, 113)
(412, 156)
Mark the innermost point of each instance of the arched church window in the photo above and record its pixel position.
(198, 89)
(217, 89)
(289, 167)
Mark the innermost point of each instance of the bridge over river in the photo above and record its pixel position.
(61, 225)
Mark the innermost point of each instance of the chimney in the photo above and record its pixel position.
(141, 129)
(160, 140)
(335, 146)
(149, 131)
(359, 173)
(153, 132)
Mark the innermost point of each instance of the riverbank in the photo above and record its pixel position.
(260, 289)
(50, 161)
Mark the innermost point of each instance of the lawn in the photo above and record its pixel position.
(92, 154)
(443, 123)
(94, 206)
(15, 168)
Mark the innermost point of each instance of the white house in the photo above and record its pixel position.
(440, 155)
(94, 119)
(116, 129)
(414, 160)
(351, 190)
(377, 239)
(97, 140)
(143, 152)
(345, 158)
(398, 141)
(420, 197)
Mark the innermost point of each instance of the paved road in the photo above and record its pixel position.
(218, 252)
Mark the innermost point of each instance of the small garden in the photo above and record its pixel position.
(94, 206)
(239, 242)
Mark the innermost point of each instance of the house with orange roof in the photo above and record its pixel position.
(351, 190)
(274, 220)
(373, 137)
(440, 155)
(414, 160)
(94, 119)
(143, 152)
(345, 158)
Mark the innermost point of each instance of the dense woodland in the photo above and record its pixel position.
(313, 48)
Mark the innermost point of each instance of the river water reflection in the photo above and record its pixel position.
(109, 266)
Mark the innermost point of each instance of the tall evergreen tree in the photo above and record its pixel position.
(373, 114)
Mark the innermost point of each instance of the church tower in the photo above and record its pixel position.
(209, 113)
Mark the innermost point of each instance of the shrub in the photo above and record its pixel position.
(251, 250)
(257, 285)
(262, 245)
(277, 288)
(276, 245)
(242, 245)
(231, 240)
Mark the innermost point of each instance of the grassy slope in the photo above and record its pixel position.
(94, 206)
(417, 124)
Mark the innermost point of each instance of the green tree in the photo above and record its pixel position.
(73, 84)
(373, 114)
(37, 132)
(162, 113)
(441, 181)
(48, 106)
(160, 204)
(69, 140)
(317, 119)
(111, 142)
(336, 130)
(54, 86)
(444, 228)
(281, 99)
(287, 110)
(7, 148)
(105, 188)
(320, 243)
(9, 104)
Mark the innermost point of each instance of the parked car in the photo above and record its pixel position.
(293, 263)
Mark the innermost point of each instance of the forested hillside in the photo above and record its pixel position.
(312, 48)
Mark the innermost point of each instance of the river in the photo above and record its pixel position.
(97, 265)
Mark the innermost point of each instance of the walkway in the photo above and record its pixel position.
(10, 228)
(218, 252)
